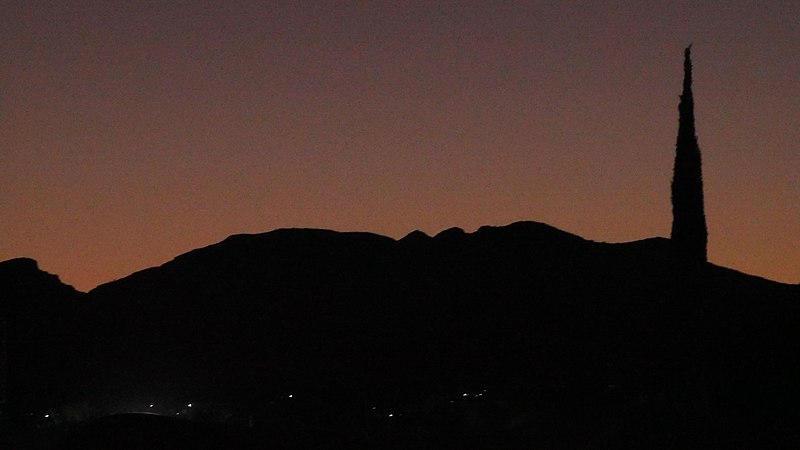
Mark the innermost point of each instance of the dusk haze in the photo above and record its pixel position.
(424, 225)
(133, 132)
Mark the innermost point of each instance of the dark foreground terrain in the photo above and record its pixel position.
(521, 336)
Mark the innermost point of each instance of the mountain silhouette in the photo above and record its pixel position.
(38, 318)
(604, 343)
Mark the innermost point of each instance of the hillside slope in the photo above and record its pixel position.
(594, 339)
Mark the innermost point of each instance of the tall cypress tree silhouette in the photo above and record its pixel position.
(689, 232)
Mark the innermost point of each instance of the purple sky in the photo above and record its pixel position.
(131, 132)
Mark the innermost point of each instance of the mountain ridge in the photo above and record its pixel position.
(449, 233)
(30, 265)
(350, 318)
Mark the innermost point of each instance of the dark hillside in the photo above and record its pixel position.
(573, 342)
(39, 317)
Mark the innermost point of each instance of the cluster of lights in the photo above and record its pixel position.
(467, 395)
(463, 395)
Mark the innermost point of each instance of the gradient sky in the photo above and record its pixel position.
(134, 131)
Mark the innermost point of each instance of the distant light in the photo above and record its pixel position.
(46, 416)
(374, 407)
(290, 395)
(451, 401)
(151, 406)
(391, 415)
(466, 394)
(189, 405)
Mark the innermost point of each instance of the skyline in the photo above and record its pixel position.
(132, 134)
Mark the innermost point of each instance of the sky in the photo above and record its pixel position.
(132, 132)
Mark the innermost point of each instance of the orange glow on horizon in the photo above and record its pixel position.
(132, 133)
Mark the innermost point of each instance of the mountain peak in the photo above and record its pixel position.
(24, 273)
